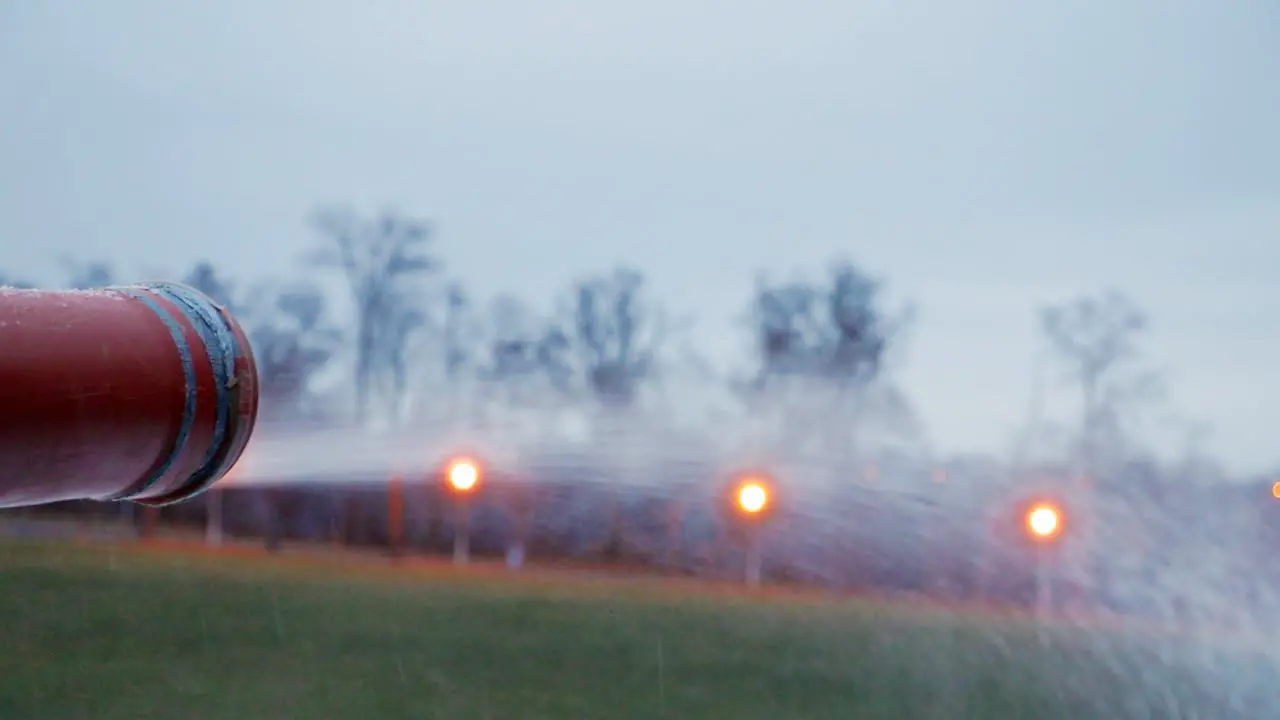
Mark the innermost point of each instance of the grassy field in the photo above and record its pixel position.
(114, 633)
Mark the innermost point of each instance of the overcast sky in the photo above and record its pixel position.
(984, 156)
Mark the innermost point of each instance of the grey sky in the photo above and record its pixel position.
(985, 156)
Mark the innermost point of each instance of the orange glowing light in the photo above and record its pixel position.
(463, 475)
(1275, 490)
(753, 497)
(1044, 521)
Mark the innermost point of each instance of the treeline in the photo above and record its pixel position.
(412, 328)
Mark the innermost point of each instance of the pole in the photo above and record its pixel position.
(672, 553)
(150, 518)
(213, 519)
(395, 515)
(983, 569)
(522, 511)
(462, 534)
(515, 554)
(753, 559)
(337, 518)
(275, 523)
(1044, 588)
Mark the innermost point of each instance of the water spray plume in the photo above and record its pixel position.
(145, 392)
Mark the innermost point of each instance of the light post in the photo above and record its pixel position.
(751, 504)
(463, 478)
(520, 509)
(1044, 522)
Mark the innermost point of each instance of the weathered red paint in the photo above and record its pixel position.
(96, 388)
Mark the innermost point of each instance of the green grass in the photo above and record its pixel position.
(90, 632)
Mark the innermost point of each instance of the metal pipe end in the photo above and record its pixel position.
(231, 361)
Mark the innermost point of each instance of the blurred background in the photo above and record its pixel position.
(918, 260)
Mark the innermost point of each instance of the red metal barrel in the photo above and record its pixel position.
(144, 392)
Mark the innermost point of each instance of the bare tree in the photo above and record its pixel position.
(616, 334)
(834, 336)
(1097, 340)
(525, 350)
(456, 343)
(380, 258)
(840, 331)
(790, 331)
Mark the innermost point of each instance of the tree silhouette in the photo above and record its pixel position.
(380, 258)
(838, 331)
(822, 349)
(617, 336)
(525, 349)
(1096, 339)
